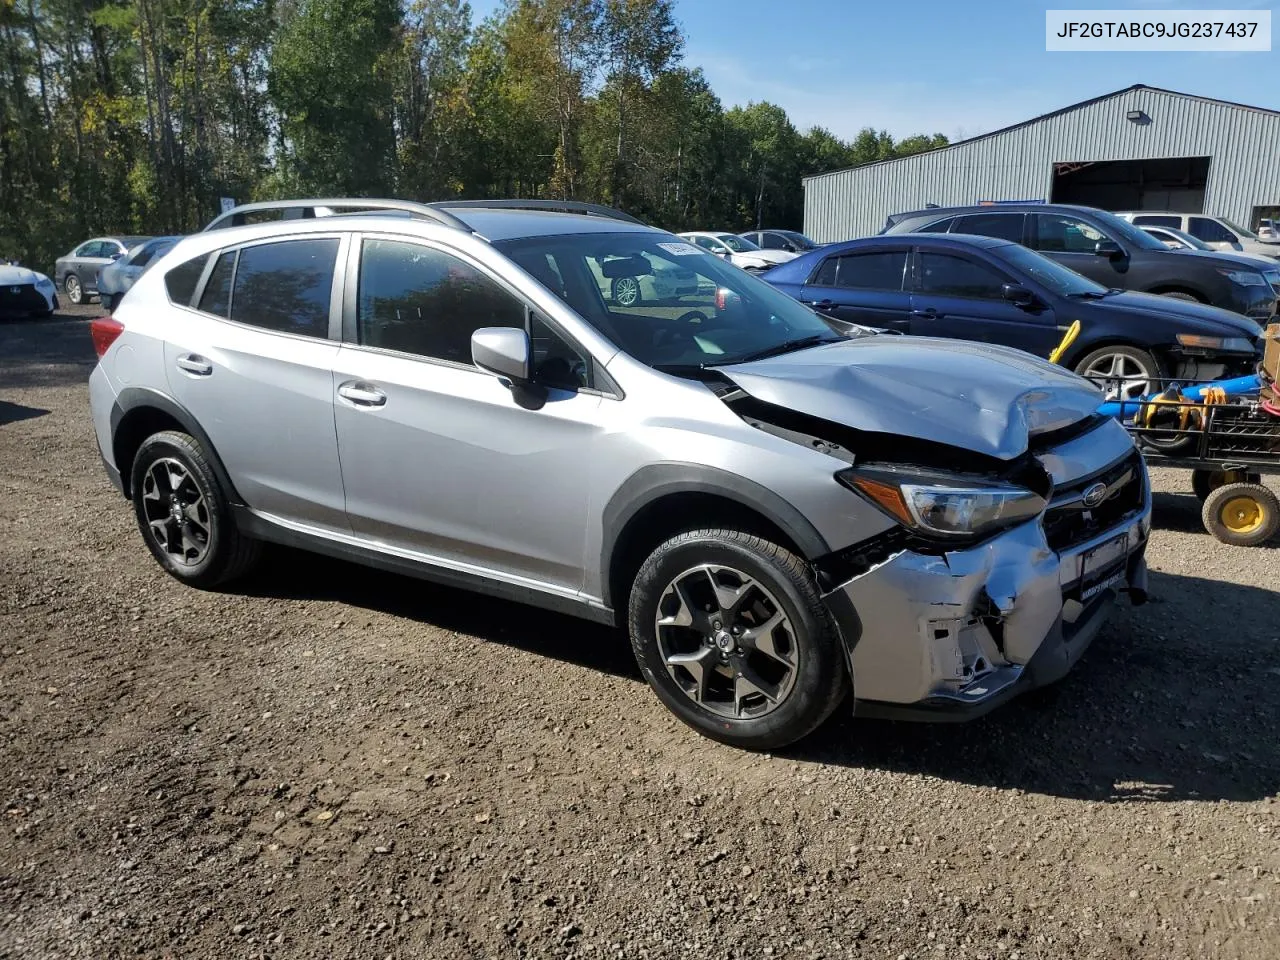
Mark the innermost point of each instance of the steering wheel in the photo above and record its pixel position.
(677, 332)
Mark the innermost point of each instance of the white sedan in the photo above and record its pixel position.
(739, 251)
(25, 293)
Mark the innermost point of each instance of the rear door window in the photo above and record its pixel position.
(1002, 226)
(872, 271)
(1157, 220)
(769, 241)
(826, 275)
(285, 286)
(216, 298)
(938, 226)
(950, 276)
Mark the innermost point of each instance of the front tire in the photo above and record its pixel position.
(730, 632)
(1180, 295)
(183, 513)
(75, 292)
(1242, 514)
(1126, 372)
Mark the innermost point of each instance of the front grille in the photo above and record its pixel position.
(21, 298)
(1070, 521)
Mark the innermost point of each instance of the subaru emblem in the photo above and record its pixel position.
(1094, 495)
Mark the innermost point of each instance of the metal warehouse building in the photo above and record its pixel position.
(1141, 148)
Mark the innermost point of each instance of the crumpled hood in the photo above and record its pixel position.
(1191, 317)
(979, 397)
(12, 276)
(766, 256)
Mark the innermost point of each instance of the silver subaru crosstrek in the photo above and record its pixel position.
(783, 510)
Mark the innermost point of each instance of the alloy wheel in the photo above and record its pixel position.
(177, 513)
(726, 641)
(74, 292)
(626, 291)
(1120, 376)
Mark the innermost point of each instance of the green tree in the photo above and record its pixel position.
(642, 40)
(330, 79)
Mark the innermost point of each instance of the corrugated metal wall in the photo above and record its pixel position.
(1243, 144)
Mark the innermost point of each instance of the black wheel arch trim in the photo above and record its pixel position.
(655, 481)
(135, 398)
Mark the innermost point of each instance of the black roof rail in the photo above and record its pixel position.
(549, 206)
(323, 207)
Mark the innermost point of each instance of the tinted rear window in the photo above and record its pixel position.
(1003, 226)
(1157, 220)
(216, 298)
(872, 271)
(181, 280)
(285, 286)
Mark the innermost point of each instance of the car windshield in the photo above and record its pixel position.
(1235, 228)
(1050, 273)
(1193, 242)
(1124, 230)
(668, 303)
(799, 239)
(735, 243)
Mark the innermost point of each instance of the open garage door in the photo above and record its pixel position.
(1172, 183)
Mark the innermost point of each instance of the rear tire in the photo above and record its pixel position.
(183, 513)
(75, 292)
(1180, 295)
(1242, 514)
(771, 671)
(1204, 482)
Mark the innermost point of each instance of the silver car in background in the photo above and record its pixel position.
(1216, 233)
(115, 279)
(785, 512)
(76, 273)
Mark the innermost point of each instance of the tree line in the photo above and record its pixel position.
(136, 116)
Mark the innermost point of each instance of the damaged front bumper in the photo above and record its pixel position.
(953, 635)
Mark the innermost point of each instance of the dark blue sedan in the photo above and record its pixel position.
(980, 288)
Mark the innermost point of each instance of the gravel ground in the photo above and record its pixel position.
(330, 762)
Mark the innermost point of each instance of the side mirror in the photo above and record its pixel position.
(1107, 248)
(502, 351)
(1017, 294)
(117, 255)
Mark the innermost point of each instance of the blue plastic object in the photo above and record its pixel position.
(1237, 387)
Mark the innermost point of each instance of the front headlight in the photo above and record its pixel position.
(1225, 344)
(43, 282)
(944, 505)
(1246, 278)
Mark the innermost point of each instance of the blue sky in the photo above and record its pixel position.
(957, 67)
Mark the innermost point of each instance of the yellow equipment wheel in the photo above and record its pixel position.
(1242, 514)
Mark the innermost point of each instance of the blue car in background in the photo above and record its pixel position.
(995, 291)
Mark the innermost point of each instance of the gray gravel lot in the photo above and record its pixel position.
(330, 762)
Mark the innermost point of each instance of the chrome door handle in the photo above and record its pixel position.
(362, 394)
(194, 363)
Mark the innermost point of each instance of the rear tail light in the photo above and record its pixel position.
(104, 331)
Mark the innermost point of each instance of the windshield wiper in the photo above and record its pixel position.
(787, 346)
